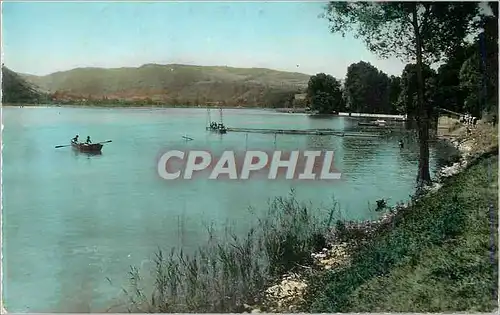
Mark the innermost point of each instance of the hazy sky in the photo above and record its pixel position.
(40, 38)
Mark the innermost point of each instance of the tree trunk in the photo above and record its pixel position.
(423, 176)
(494, 7)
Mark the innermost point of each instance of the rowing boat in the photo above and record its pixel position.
(218, 129)
(87, 148)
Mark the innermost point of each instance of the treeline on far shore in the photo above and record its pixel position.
(276, 100)
(459, 85)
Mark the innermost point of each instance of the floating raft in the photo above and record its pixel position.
(319, 132)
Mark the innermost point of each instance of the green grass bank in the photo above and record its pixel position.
(435, 257)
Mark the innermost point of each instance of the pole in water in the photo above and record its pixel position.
(209, 119)
(246, 141)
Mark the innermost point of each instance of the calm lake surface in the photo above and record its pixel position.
(70, 220)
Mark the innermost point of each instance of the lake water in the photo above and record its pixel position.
(70, 220)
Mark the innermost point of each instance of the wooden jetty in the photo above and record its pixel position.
(449, 112)
(221, 128)
(381, 116)
(318, 132)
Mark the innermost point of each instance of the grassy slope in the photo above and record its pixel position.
(435, 259)
(180, 82)
(16, 89)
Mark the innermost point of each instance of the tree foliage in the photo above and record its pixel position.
(279, 99)
(471, 83)
(488, 40)
(324, 94)
(387, 28)
(409, 86)
(468, 81)
(394, 92)
(367, 89)
(449, 93)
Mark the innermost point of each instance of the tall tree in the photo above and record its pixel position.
(450, 94)
(367, 88)
(488, 40)
(478, 73)
(471, 83)
(424, 32)
(394, 92)
(408, 97)
(324, 94)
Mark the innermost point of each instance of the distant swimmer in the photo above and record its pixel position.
(401, 144)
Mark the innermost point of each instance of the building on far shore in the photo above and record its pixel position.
(299, 100)
(300, 97)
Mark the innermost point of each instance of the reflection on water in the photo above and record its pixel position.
(316, 142)
(72, 220)
(86, 154)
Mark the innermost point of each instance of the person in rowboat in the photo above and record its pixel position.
(88, 140)
(75, 139)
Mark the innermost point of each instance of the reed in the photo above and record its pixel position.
(228, 273)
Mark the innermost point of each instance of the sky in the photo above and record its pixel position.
(44, 37)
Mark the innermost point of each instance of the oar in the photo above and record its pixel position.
(105, 141)
(62, 146)
(67, 145)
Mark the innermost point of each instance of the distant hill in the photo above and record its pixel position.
(15, 89)
(175, 84)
